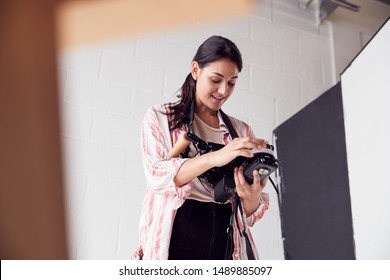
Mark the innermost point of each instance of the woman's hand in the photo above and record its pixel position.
(250, 194)
(237, 147)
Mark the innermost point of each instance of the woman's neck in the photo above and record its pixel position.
(209, 117)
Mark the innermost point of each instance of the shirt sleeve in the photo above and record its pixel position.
(159, 169)
(258, 214)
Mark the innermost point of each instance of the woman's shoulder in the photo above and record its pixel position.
(161, 108)
(158, 109)
(158, 113)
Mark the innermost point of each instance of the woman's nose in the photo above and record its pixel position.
(223, 88)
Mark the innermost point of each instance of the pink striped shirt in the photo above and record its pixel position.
(162, 197)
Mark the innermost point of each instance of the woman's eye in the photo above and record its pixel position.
(231, 84)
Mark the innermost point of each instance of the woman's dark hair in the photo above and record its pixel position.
(211, 50)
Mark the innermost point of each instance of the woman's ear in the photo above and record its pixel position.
(194, 70)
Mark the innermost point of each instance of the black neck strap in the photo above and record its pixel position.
(228, 124)
(237, 207)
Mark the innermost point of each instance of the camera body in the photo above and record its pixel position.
(222, 178)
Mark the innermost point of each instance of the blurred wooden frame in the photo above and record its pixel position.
(90, 21)
(32, 33)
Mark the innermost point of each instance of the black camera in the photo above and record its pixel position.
(222, 178)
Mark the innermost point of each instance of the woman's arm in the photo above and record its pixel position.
(159, 168)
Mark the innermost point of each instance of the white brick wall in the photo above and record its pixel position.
(107, 88)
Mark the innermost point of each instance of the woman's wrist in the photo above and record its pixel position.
(250, 205)
(210, 160)
(194, 167)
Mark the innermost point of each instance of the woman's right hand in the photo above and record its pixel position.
(237, 147)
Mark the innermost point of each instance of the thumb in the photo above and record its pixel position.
(256, 177)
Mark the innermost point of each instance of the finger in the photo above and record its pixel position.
(248, 150)
(236, 180)
(257, 144)
(264, 182)
(256, 177)
(239, 188)
(249, 143)
(262, 143)
(254, 140)
(245, 153)
(241, 178)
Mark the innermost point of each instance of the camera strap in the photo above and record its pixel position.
(228, 124)
(237, 208)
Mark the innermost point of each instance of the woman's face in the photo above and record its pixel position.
(214, 84)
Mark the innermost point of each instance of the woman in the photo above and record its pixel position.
(180, 218)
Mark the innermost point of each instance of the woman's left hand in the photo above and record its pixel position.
(250, 194)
